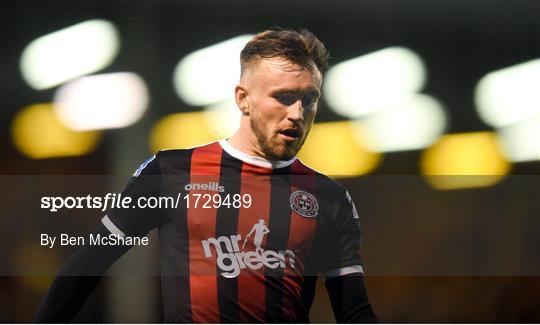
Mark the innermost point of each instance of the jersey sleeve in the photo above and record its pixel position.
(344, 243)
(136, 220)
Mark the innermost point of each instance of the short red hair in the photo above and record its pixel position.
(300, 47)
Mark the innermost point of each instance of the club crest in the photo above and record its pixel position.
(304, 204)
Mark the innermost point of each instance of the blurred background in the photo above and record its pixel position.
(430, 116)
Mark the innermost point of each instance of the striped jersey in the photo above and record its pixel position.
(248, 237)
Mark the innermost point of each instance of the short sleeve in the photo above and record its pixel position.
(137, 219)
(344, 242)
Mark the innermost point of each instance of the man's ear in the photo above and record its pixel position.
(240, 95)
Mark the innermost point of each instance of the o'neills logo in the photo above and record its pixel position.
(210, 186)
(231, 258)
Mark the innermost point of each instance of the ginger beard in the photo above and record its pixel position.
(274, 147)
(282, 103)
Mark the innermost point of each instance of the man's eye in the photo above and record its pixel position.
(308, 101)
(286, 99)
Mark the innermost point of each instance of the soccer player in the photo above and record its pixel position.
(252, 250)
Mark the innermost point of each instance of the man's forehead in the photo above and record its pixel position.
(281, 68)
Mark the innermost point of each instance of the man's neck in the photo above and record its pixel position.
(244, 144)
(253, 159)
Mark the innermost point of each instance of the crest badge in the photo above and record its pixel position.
(304, 204)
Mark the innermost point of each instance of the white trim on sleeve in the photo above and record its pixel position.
(343, 271)
(111, 226)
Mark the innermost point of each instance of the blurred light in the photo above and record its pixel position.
(509, 95)
(414, 124)
(37, 133)
(104, 101)
(69, 53)
(521, 141)
(209, 75)
(374, 81)
(464, 160)
(180, 131)
(223, 118)
(333, 149)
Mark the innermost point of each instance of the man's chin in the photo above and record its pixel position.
(285, 153)
(280, 150)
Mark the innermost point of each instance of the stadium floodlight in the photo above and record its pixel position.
(464, 160)
(329, 140)
(509, 95)
(521, 141)
(69, 53)
(103, 101)
(38, 134)
(180, 131)
(414, 124)
(373, 81)
(209, 75)
(223, 118)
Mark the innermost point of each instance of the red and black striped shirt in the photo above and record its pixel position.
(249, 237)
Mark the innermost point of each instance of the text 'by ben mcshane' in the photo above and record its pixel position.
(92, 239)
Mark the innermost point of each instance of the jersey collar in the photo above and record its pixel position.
(254, 160)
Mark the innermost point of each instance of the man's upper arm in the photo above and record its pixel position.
(83, 270)
(136, 220)
(343, 270)
(344, 252)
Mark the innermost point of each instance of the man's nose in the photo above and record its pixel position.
(296, 111)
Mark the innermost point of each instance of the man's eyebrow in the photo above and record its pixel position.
(311, 91)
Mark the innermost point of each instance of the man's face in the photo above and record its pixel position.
(280, 100)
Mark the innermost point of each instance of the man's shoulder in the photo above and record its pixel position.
(173, 160)
(183, 152)
(329, 193)
(172, 153)
(324, 181)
